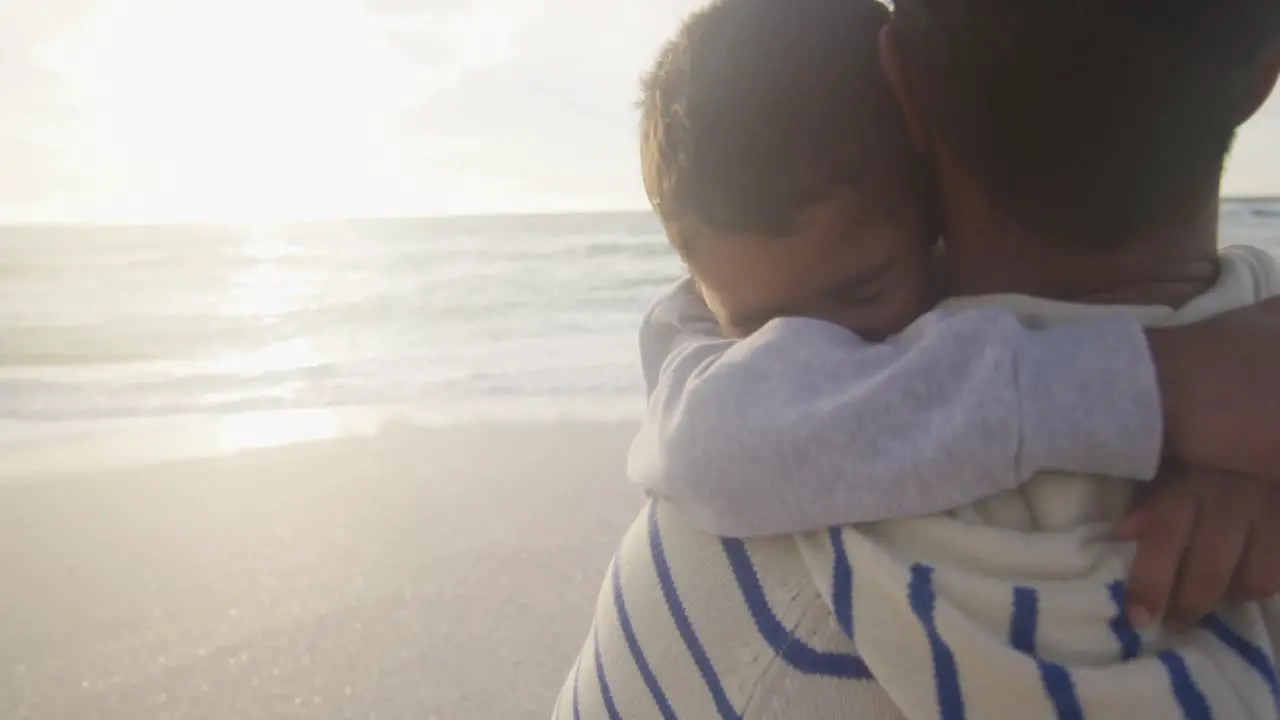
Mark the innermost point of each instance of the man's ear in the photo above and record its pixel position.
(895, 74)
(1262, 88)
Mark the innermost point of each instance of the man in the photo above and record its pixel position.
(1077, 148)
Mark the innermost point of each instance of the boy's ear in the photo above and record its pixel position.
(895, 74)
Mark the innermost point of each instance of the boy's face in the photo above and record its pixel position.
(868, 268)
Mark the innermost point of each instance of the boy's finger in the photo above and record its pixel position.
(1168, 521)
(1258, 576)
(1130, 529)
(1213, 554)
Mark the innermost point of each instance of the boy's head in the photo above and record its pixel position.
(775, 155)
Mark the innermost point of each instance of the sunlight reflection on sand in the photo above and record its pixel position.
(76, 447)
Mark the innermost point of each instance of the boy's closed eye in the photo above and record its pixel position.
(854, 303)
(835, 306)
(867, 272)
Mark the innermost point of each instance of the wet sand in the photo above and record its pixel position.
(417, 574)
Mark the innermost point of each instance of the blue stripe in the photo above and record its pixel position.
(577, 670)
(1129, 639)
(1190, 699)
(1023, 628)
(1061, 691)
(841, 583)
(791, 649)
(1026, 617)
(945, 675)
(642, 663)
(605, 692)
(1255, 656)
(681, 619)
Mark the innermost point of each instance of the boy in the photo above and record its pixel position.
(789, 188)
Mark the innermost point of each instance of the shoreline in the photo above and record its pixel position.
(31, 450)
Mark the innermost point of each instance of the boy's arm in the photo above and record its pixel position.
(803, 425)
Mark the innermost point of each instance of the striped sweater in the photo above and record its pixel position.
(1009, 608)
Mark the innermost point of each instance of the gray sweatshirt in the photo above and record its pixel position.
(803, 425)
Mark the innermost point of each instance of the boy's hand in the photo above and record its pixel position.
(1203, 536)
(1221, 391)
(1209, 528)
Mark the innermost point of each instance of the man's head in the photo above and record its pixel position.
(775, 155)
(1086, 122)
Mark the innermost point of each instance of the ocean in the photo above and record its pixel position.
(520, 319)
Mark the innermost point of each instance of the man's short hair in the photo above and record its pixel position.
(757, 109)
(1087, 119)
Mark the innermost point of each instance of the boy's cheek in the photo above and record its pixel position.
(727, 328)
(721, 314)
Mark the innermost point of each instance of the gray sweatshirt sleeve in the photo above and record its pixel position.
(803, 425)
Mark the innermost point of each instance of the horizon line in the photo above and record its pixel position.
(123, 223)
(13, 222)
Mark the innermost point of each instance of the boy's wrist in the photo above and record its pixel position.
(1169, 355)
(1200, 387)
(1220, 382)
(1216, 381)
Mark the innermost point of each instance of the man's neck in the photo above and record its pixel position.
(1169, 265)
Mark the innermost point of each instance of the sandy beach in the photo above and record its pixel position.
(417, 574)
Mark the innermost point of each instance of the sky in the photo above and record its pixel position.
(264, 109)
